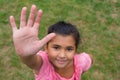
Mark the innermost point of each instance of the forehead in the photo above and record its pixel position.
(63, 40)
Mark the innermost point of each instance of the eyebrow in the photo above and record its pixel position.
(70, 47)
(56, 45)
(66, 47)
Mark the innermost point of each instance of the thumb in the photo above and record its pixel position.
(47, 38)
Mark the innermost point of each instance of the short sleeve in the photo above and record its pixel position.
(84, 61)
(44, 68)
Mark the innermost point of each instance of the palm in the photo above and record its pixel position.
(25, 40)
(26, 37)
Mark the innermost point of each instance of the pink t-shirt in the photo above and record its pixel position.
(82, 62)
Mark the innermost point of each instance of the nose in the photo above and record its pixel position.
(62, 54)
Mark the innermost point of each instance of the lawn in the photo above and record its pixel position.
(97, 20)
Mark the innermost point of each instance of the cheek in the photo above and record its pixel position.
(71, 56)
(52, 55)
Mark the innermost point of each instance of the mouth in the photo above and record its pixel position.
(61, 61)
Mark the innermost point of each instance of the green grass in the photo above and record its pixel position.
(97, 20)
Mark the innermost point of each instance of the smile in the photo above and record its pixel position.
(61, 61)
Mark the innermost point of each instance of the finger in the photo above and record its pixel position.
(31, 16)
(47, 38)
(23, 17)
(13, 24)
(37, 20)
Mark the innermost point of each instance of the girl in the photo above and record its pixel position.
(59, 60)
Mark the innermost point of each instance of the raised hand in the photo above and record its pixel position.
(25, 37)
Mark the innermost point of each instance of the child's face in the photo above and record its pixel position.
(61, 50)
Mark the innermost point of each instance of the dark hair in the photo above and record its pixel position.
(64, 28)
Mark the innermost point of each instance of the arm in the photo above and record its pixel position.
(26, 40)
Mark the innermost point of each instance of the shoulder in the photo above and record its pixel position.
(41, 61)
(83, 61)
(46, 68)
(44, 57)
(42, 53)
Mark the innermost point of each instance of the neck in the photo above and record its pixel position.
(66, 72)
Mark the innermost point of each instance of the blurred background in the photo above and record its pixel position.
(97, 20)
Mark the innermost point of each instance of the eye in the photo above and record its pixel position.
(69, 49)
(56, 47)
